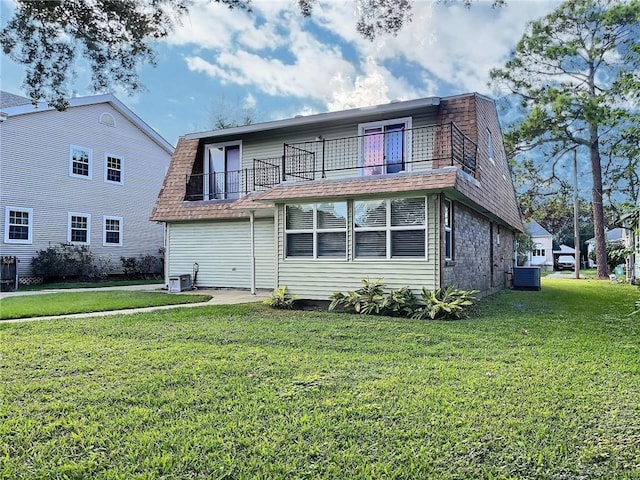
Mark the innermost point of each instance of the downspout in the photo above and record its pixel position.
(166, 254)
(253, 251)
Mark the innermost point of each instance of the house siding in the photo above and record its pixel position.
(34, 157)
(266, 145)
(222, 252)
(318, 279)
(471, 265)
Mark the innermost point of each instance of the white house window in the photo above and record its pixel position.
(18, 225)
(222, 169)
(316, 230)
(113, 166)
(448, 229)
(112, 231)
(539, 250)
(391, 228)
(80, 160)
(385, 146)
(79, 230)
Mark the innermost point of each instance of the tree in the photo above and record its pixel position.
(225, 114)
(116, 37)
(573, 73)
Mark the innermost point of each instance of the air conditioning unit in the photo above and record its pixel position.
(526, 278)
(179, 283)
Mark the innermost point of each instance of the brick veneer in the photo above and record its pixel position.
(471, 266)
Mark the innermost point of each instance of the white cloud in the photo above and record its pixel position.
(275, 51)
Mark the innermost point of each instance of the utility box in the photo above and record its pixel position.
(179, 283)
(526, 278)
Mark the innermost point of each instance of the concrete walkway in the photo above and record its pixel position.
(219, 297)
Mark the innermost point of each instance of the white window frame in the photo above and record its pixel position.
(104, 230)
(539, 250)
(7, 225)
(76, 214)
(315, 230)
(72, 148)
(408, 125)
(388, 228)
(207, 170)
(448, 226)
(106, 169)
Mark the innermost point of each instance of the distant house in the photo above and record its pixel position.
(616, 236)
(87, 176)
(631, 234)
(542, 254)
(418, 193)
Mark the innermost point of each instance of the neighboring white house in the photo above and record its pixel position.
(88, 175)
(542, 254)
(631, 237)
(418, 193)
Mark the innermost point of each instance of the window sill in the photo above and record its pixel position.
(449, 263)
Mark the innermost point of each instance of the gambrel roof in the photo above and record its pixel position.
(491, 192)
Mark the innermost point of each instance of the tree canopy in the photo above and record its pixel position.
(575, 75)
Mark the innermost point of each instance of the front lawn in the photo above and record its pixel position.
(539, 385)
(66, 303)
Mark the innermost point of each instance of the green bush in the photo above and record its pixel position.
(66, 261)
(143, 266)
(280, 299)
(444, 303)
(371, 298)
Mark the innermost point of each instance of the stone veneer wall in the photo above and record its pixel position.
(471, 267)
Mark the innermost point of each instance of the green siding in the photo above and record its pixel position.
(318, 279)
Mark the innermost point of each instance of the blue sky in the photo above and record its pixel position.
(279, 65)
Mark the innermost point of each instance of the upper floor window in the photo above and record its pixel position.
(80, 159)
(392, 228)
(112, 231)
(539, 250)
(18, 225)
(448, 229)
(316, 230)
(385, 146)
(113, 169)
(222, 171)
(79, 228)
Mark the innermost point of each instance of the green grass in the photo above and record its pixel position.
(65, 303)
(109, 283)
(539, 385)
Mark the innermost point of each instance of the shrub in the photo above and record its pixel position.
(371, 298)
(444, 303)
(66, 260)
(280, 299)
(143, 266)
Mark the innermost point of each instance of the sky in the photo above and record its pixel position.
(277, 64)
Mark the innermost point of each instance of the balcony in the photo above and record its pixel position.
(421, 148)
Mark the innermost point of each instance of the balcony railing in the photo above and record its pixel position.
(419, 148)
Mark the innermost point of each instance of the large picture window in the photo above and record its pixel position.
(18, 225)
(80, 162)
(316, 230)
(391, 228)
(385, 146)
(222, 168)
